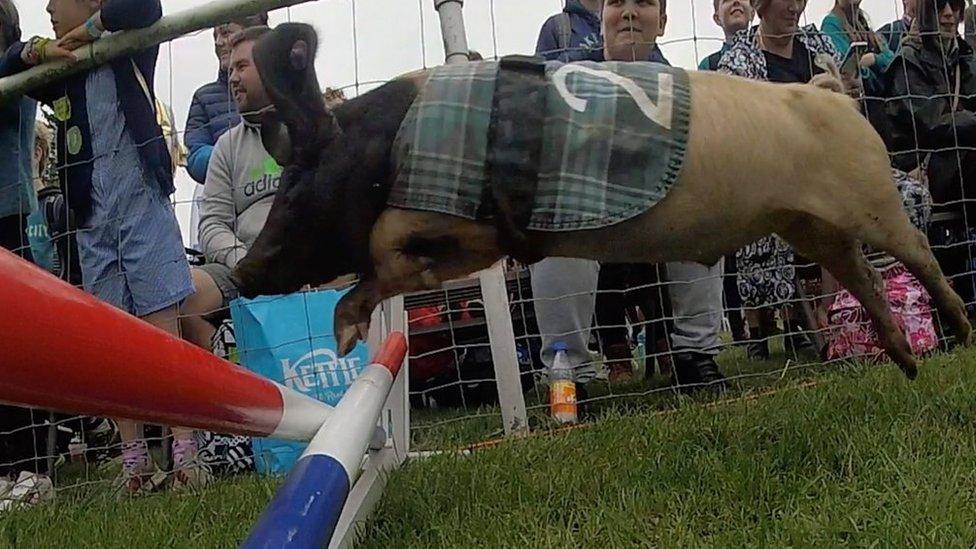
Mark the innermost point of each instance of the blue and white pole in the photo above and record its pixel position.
(304, 512)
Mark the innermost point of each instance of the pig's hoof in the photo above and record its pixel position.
(347, 335)
(966, 334)
(900, 352)
(909, 367)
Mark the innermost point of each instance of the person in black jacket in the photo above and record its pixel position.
(895, 31)
(929, 124)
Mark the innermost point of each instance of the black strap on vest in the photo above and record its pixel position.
(515, 152)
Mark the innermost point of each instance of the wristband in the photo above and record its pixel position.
(93, 31)
(35, 51)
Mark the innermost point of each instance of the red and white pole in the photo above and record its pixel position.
(64, 350)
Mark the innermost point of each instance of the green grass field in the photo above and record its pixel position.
(860, 456)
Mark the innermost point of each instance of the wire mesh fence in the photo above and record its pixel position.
(632, 319)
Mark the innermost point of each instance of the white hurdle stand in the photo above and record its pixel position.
(504, 357)
(390, 316)
(395, 420)
(494, 292)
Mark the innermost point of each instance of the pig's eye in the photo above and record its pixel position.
(299, 56)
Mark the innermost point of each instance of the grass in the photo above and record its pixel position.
(438, 429)
(862, 457)
(865, 457)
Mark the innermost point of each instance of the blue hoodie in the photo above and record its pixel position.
(585, 43)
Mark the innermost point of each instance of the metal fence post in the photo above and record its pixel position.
(452, 30)
(501, 334)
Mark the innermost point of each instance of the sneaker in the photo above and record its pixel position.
(796, 343)
(696, 371)
(619, 361)
(6, 485)
(191, 476)
(758, 350)
(139, 473)
(29, 489)
(140, 481)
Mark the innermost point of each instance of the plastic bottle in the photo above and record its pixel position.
(641, 350)
(562, 387)
(77, 449)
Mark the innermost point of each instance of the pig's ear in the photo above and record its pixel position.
(276, 139)
(285, 59)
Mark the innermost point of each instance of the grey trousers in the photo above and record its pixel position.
(696, 303)
(564, 298)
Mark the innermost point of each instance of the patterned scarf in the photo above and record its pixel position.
(745, 58)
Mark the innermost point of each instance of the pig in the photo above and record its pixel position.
(797, 161)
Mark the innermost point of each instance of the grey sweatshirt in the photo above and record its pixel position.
(241, 182)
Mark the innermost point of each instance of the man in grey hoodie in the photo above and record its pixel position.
(240, 186)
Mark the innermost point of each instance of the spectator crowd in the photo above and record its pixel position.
(85, 194)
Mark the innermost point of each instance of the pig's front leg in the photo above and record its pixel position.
(411, 252)
(399, 273)
(355, 309)
(353, 313)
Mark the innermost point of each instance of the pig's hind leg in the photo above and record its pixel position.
(841, 255)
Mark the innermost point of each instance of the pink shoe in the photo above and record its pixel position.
(188, 472)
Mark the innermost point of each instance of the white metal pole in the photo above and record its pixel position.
(501, 333)
(452, 30)
(207, 15)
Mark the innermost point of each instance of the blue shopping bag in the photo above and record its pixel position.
(289, 339)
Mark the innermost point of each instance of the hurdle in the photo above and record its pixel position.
(306, 509)
(66, 351)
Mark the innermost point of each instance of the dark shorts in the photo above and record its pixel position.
(220, 274)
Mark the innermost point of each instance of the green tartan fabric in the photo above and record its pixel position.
(613, 145)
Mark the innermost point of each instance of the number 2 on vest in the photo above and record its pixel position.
(659, 113)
